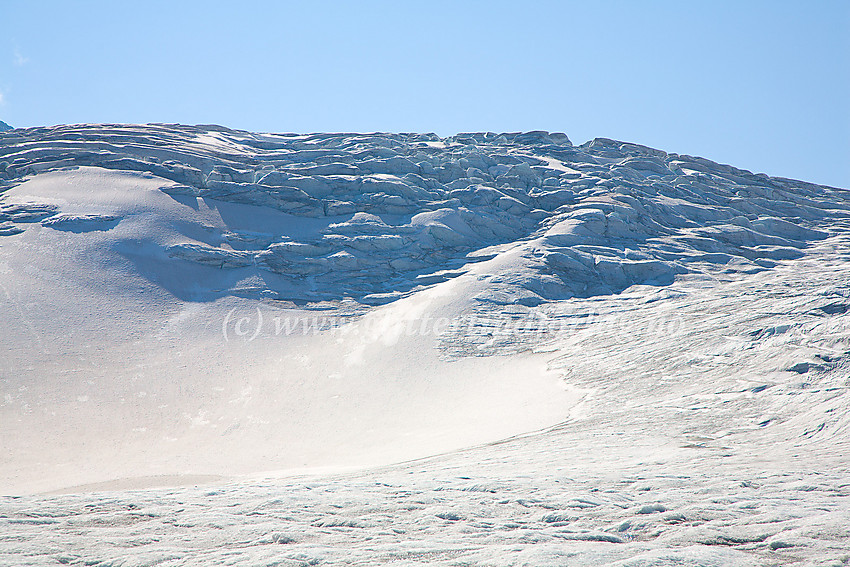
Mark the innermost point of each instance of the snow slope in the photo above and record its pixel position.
(618, 354)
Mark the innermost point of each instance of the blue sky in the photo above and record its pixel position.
(762, 85)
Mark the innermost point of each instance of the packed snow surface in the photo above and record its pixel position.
(221, 347)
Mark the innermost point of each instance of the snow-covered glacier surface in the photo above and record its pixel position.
(221, 347)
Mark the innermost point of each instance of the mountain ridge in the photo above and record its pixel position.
(409, 205)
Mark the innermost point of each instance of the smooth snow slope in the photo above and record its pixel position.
(665, 338)
(113, 373)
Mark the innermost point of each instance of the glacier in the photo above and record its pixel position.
(489, 348)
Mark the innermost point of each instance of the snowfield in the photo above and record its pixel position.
(227, 348)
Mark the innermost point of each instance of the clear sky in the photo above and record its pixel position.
(762, 85)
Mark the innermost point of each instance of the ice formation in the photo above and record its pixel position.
(604, 354)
